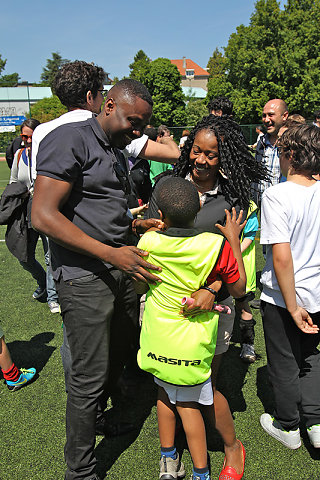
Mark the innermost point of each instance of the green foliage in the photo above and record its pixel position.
(195, 110)
(7, 137)
(163, 82)
(140, 67)
(2, 63)
(10, 80)
(276, 56)
(216, 64)
(7, 80)
(47, 109)
(51, 68)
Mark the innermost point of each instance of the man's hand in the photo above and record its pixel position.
(303, 320)
(142, 226)
(203, 300)
(233, 225)
(129, 260)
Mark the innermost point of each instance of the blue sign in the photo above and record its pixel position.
(7, 121)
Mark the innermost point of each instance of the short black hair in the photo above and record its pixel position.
(131, 88)
(30, 123)
(151, 132)
(74, 80)
(304, 143)
(178, 200)
(221, 103)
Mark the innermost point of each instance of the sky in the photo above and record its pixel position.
(109, 33)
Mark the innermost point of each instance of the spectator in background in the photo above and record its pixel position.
(156, 167)
(14, 146)
(163, 131)
(260, 133)
(317, 118)
(184, 137)
(220, 106)
(275, 113)
(21, 171)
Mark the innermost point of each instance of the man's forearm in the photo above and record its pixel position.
(165, 152)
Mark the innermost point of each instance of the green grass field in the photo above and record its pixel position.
(32, 432)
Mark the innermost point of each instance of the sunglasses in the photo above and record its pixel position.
(25, 137)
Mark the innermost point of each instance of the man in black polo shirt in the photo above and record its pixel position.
(80, 204)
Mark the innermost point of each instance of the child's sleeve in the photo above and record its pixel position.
(226, 267)
(251, 227)
(274, 219)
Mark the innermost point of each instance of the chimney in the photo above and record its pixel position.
(184, 63)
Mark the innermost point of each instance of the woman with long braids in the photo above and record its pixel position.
(217, 160)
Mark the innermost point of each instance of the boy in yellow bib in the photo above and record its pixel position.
(175, 347)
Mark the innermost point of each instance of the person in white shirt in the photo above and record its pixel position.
(290, 301)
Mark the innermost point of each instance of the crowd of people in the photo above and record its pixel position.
(127, 218)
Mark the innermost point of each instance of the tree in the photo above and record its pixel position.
(7, 80)
(2, 63)
(140, 66)
(47, 109)
(195, 110)
(10, 80)
(276, 56)
(216, 64)
(163, 82)
(51, 69)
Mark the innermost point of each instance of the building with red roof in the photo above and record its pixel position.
(192, 75)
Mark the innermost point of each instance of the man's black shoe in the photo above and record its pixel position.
(113, 429)
(255, 303)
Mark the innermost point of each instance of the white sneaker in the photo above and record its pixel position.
(290, 439)
(171, 469)
(54, 307)
(314, 435)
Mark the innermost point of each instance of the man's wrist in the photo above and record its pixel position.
(209, 290)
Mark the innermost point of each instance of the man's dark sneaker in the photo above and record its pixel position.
(40, 294)
(255, 303)
(247, 353)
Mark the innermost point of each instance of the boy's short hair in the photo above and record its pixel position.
(178, 200)
(304, 142)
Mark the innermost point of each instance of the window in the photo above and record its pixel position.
(189, 73)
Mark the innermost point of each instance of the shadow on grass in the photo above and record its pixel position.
(135, 410)
(32, 353)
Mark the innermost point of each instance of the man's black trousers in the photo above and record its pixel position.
(95, 309)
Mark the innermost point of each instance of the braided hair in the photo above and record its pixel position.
(237, 163)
